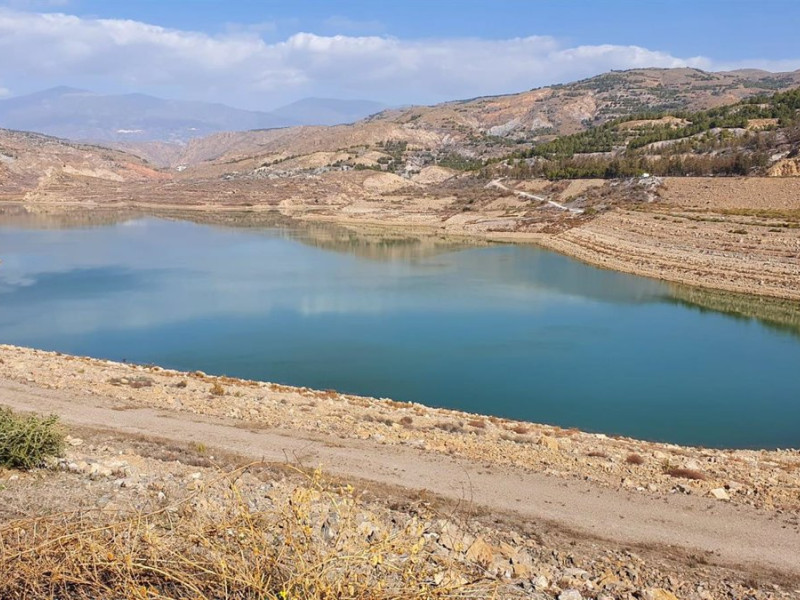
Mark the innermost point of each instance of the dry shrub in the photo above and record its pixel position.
(378, 419)
(571, 432)
(28, 441)
(516, 438)
(685, 473)
(181, 384)
(312, 544)
(520, 429)
(450, 427)
(137, 382)
(634, 459)
(597, 454)
(406, 421)
(477, 423)
(217, 389)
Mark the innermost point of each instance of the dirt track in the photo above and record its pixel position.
(728, 535)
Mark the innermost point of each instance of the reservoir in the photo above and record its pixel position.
(507, 330)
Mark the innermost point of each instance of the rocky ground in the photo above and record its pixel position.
(115, 477)
(462, 543)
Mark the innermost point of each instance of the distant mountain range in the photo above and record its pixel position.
(84, 115)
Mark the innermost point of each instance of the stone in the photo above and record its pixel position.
(366, 529)
(73, 441)
(570, 594)
(548, 442)
(540, 583)
(522, 565)
(480, 552)
(720, 494)
(574, 572)
(658, 594)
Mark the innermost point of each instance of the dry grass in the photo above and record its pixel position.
(596, 454)
(685, 473)
(520, 429)
(634, 459)
(137, 382)
(450, 426)
(378, 419)
(314, 544)
(217, 389)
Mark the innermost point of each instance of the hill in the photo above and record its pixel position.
(758, 135)
(457, 134)
(29, 160)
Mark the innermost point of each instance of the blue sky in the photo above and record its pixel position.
(259, 54)
(723, 29)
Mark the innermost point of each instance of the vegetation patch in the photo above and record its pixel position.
(26, 442)
(634, 459)
(137, 382)
(685, 473)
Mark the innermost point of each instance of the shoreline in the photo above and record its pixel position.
(600, 243)
(529, 505)
(766, 479)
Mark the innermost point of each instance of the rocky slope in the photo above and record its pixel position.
(30, 160)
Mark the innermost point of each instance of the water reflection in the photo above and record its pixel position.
(511, 330)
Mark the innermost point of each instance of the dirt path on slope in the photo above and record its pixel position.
(729, 535)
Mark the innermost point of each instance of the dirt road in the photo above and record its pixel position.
(732, 536)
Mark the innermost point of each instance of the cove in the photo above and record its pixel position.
(507, 330)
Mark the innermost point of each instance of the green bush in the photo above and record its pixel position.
(27, 441)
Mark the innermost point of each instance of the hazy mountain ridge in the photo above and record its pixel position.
(83, 115)
(328, 111)
(451, 133)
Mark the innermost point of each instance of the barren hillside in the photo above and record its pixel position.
(490, 126)
(30, 160)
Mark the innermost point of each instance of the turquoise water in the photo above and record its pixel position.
(513, 331)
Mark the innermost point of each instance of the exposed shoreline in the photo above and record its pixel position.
(705, 517)
(767, 479)
(668, 241)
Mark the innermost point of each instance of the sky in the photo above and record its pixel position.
(263, 54)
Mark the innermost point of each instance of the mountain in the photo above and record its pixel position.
(328, 111)
(455, 134)
(83, 115)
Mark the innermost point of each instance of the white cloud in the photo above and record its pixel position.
(239, 67)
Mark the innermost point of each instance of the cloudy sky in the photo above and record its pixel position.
(260, 54)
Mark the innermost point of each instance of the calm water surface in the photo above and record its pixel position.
(506, 330)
